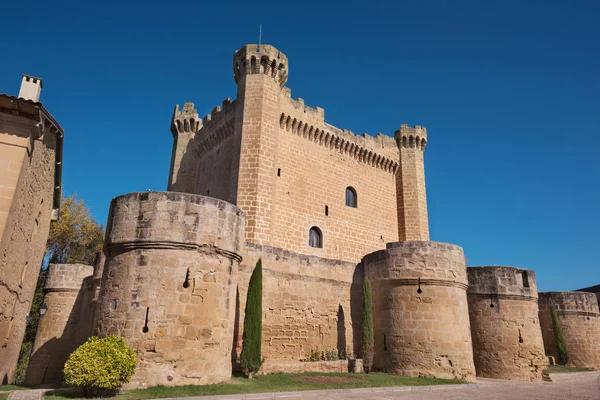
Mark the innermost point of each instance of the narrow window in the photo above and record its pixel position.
(350, 197)
(278, 171)
(315, 238)
(326, 210)
(525, 279)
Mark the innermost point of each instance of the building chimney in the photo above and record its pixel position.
(31, 87)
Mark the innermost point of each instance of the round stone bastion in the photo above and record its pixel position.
(507, 338)
(579, 319)
(64, 326)
(420, 311)
(169, 284)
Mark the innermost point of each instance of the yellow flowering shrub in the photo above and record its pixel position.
(100, 366)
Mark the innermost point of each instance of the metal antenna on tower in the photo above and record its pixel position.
(259, 37)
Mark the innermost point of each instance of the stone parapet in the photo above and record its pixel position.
(420, 312)
(503, 311)
(579, 318)
(170, 284)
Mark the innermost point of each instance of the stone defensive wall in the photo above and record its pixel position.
(169, 284)
(66, 324)
(309, 303)
(507, 338)
(580, 323)
(420, 311)
(380, 151)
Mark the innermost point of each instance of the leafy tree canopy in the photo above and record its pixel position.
(76, 237)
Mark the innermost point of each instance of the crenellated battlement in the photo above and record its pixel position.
(186, 120)
(260, 59)
(219, 113)
(411, 137)
(217, 126)
(346, 142)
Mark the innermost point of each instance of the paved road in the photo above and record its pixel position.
(566, 386)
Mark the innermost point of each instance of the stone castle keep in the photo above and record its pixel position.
(264, 176)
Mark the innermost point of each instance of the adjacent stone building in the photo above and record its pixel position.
(30, 187)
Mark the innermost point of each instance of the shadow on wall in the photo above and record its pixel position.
(341, 331)
(356, 289)
(47, 362)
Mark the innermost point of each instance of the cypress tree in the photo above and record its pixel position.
(252, 337)
(561, 346)
(368, 342)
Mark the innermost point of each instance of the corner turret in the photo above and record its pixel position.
(413, 223)
(184, 126)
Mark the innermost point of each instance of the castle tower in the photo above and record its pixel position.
(169, 285)
(420, 311)
(260, 72)
(503, 310)
(580, 324)
(184, 126)
(410, 184)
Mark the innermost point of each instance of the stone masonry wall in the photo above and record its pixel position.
(420, 312)
(25, 232)
(61, 329)
(309, 303)
(169, 284)
(503, 310)
(312, 173)
(580, 322)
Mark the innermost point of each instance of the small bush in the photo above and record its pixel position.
(100, 366)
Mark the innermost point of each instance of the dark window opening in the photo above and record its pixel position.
(208, 192)
(350, 197)
(525, 279)
(326, 210)
(145, 328)
(384, 343)
(315, 237)
(186, 283)
(278, 171)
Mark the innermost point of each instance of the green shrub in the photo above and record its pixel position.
(19, 378)
(250, 358)
(561, 346)
(368, 342)
(100, 366)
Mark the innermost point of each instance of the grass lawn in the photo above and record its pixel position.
(8, 388)
(276, 383)
(555, 369)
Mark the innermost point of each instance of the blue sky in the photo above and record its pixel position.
(509, 92)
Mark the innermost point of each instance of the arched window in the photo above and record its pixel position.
(315, 237)
(525, 279)
(350, 197)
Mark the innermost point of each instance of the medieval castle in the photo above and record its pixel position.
(264, 176)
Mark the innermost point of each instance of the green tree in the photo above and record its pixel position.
(252, 337)
(368, 342)
(75, 238)
(561, 346)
